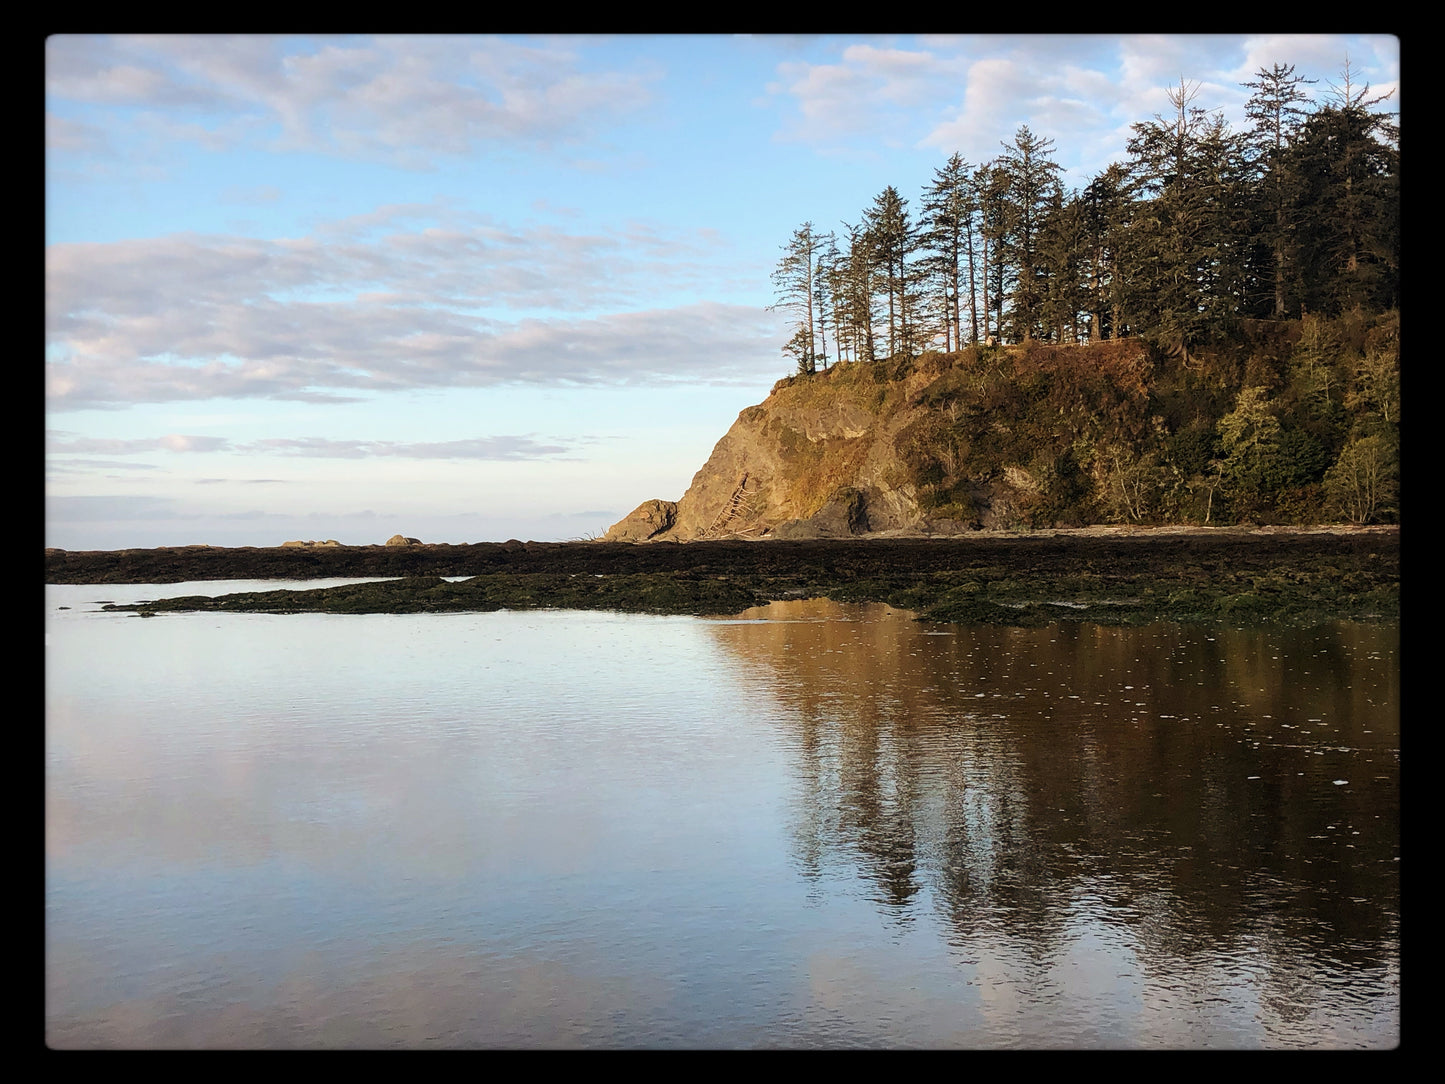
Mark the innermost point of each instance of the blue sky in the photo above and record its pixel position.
(469, 289)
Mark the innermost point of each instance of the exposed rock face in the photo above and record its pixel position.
(862, 449)
(816, 459)
(402, 540)
(648, 519)
(845, 513)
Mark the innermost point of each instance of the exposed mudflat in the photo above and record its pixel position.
(1106, 574)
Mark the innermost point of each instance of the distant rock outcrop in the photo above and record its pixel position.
(402, 540)
(914, 447)
(310, 543)
(646, 520)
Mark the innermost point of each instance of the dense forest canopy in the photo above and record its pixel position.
(1260, 267)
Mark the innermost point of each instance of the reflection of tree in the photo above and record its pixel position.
(1006, 772)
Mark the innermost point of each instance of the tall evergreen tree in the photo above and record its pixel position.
(1063, 257)
(1183, 252)
(1031, 177)
(1275, 109)
(946, 213)
(990, 185)
(794, 278)
(893, 243)
(1342, 183)
(1105, 207)
(824, 275)
(853, 277)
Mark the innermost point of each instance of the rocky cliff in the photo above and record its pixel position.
(939, 444)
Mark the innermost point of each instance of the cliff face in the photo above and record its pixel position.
(867, 448)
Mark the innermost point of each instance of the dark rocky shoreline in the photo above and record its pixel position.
(1114, 577)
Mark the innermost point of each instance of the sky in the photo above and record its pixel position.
(468, 289)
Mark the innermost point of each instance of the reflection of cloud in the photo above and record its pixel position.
(416, 994)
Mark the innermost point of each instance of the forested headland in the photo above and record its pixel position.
(1255, 273)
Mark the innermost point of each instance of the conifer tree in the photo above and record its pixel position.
(990, 185)
(1030, 176)
(854, 285)
(892, 243)
(1183, 253)
(1276, 111)
(1105, 208)
(946, 211)
(827, 257)
(1342, 186)
(793, 279)
(1063, 252)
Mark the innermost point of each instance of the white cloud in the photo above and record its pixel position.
(873, 91)
(404, 100)
(254, 196)
(89, 509)
(171, 442)
(71, 465)
(356, 308)
(68, 134)
(490, 448)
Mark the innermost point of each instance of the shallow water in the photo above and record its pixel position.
(814, 826)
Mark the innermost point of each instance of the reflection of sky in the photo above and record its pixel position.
(596, 829)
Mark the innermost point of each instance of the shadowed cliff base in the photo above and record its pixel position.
(1112, 577)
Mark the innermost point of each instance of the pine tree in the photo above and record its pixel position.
(1183, 279)
(946, 214)
(793, 279)
(990, 185)
(1105, 207)
(1275, 109)
(892, 243)
(1063, 253)
(824, 274)
(1030, 177)
(1342, 187)
(853, 285)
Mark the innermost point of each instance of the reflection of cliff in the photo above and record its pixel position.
(1011, 772)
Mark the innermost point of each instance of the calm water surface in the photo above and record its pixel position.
(816, 825)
